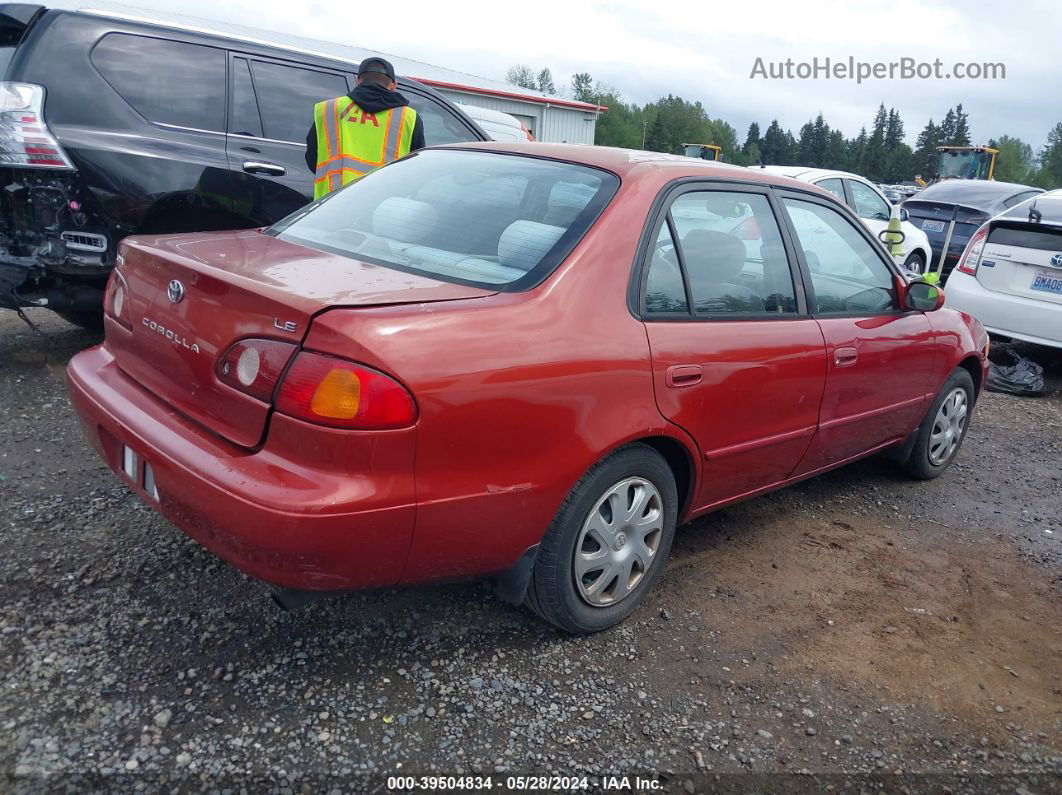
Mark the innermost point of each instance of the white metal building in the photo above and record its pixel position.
(549, 119)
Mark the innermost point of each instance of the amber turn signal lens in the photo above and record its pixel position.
(337, 396)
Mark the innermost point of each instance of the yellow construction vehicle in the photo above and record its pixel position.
(966, 162)
(702, 151)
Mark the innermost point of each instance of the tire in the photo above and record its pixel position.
(90, 320)
(931, 455)
(915, 264)
(589, 598)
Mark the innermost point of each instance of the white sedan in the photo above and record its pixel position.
(870, 205)
(1010, 275)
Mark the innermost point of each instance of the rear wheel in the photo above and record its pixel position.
(607, 544)
(940, 435)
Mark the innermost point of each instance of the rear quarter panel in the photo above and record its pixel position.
(518, 395)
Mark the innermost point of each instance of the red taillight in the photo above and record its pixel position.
(116, 299)
(334, 392)
(25, 139)
(254, 366)
(971, 255)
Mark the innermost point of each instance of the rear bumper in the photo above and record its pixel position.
(1025, 319)
(313, 519)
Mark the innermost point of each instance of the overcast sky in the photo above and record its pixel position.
(706, 51)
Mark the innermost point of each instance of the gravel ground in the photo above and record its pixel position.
(859, 624)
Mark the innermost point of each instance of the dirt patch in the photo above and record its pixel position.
(948, 620)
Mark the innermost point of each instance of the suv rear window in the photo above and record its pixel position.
(167, 82)
(480, 218)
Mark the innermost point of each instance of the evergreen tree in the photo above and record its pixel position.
(961, 134)
(924, 161)
(874, 160)
(752, 138)
(774, 146)
(857, 152)
(656, 140)
(545, 82)
(582, 87)
(893, 130)
(1050, 172)
(947, 129)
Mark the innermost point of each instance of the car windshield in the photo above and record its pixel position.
(486, 219)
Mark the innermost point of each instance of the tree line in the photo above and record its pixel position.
(879, 152)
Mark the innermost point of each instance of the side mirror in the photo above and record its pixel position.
(904, 215)
(921, 296)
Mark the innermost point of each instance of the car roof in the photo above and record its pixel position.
(979, 193)
(805, 174)
(1048, 204)
(628, 162)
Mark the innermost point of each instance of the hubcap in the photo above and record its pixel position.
(948, 426)
(618, 542)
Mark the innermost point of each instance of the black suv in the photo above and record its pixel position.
(112, 126)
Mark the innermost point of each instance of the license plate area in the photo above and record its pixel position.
(932, 226)
(1047, 282)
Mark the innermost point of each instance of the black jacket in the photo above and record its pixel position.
(373, 99)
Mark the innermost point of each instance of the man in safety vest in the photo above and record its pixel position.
(369, 127)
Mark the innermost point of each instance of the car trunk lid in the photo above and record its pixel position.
(933, 218)
(1023, 259)
(190, 297)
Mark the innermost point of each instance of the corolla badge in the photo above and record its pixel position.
(1057, 260)
(175, 292)
(171, 335)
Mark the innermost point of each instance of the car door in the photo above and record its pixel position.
(880, 360)
(737, 360)
(270, 110)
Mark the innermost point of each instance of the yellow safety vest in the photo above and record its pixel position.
(352, 142)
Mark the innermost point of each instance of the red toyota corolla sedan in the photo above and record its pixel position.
(522, 360)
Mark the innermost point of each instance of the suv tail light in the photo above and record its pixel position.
(328, 391)
(971, 255)
(254, 366)
(25, 139)
(116, 300)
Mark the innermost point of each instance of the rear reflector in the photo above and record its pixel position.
(341, 394)
(25, 139)
(254, 366)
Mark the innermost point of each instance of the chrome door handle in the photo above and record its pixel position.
(256, 167)
(845, 357)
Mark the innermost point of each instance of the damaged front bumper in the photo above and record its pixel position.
(55, 251)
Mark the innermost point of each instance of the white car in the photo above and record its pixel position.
(497, 125)
(1010, 275)
(870, 205)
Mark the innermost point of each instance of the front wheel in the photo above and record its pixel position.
(607, 544)
(915, 264)
(939, 437)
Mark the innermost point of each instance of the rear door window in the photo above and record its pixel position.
(287, 94)
(730, 255)
(244, 118)
(166, 82)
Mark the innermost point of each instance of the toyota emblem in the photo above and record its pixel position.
(1057, 260)
(175, 292)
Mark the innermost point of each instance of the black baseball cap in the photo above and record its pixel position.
(378, 65)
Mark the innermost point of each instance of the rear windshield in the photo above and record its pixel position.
(1028, 237)
(6, 53)
(480, 218)
(1049, 206)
